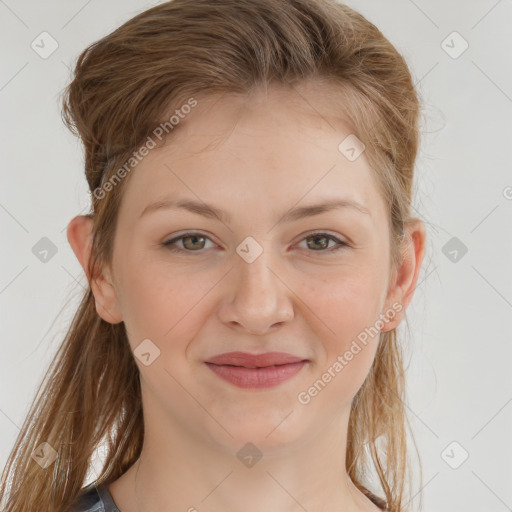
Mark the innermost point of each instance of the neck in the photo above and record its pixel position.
(178, 470)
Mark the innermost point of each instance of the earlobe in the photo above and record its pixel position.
(79, 234)
(406, 278)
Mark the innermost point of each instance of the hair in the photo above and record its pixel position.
(123, 86)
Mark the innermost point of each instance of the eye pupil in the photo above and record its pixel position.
(321, 237)
(195, 238)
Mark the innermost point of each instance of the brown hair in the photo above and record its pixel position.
(123, 86)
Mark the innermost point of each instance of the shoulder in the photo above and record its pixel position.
(88, 501)
(94, 498)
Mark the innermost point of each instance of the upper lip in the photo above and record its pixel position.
(254, 360)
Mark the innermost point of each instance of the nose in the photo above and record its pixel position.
(258, 298)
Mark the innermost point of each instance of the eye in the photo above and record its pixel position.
(192, 242)
(321, 241)
(195, 242)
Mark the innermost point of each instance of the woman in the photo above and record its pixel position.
(250, 253)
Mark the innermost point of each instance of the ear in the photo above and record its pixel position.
(79, 233)
(403, 285)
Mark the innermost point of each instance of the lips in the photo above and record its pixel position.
(257, 371)
(244, 359)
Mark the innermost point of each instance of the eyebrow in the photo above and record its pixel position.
(213, 212)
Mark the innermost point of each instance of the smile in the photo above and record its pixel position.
(256, 377)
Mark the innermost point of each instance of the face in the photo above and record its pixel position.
(258, 279)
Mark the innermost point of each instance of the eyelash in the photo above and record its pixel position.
(169, 244)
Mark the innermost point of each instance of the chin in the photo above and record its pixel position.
(270, 432)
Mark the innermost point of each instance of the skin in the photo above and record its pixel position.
(266, 153)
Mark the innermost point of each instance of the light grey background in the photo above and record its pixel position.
(459, 379)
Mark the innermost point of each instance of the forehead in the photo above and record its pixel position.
(274, 146)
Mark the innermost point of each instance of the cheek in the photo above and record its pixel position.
(345, 301)
(350, 342)
(161, 303)
(338, 382)
(345, 309)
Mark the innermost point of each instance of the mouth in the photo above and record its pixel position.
(256, 370)
(254, 360)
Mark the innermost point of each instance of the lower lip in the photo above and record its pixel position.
(267, 377)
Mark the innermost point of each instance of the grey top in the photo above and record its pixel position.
(95, 498)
